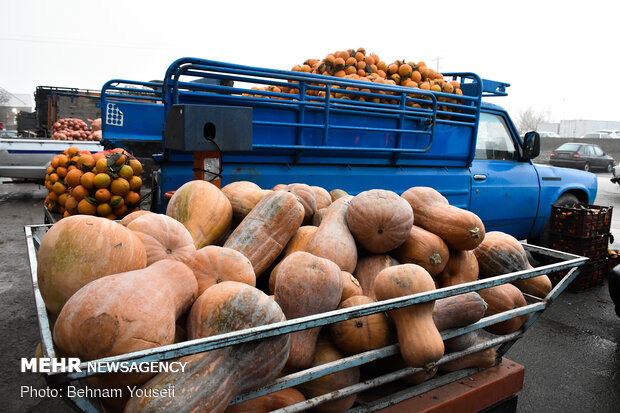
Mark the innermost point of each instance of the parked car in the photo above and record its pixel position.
(543, 134)
(584, 156)
(8, 134)
(603, 134)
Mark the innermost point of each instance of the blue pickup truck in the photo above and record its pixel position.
(273, 126)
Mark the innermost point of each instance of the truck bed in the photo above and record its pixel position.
(29, 158)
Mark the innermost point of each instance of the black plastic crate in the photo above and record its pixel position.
(591, 274)
(595, 248)
(582, 220)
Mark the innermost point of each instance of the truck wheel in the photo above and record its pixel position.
(565, 200)
(610, 167)
(586, 166)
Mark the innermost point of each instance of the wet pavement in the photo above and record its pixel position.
(571, 353)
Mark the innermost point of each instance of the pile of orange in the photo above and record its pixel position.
(358, 65)
(106, 184)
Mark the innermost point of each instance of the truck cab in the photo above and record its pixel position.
(340, 133)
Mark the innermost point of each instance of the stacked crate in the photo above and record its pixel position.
(582, 230)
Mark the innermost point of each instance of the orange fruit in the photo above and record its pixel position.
(132, 198)
(101, 165)
(86, 208)
(447, 88)
(103, 195)
(72, 151)
(63, 160)
(126, 172)
(102, 180)
(339, 64)
(54, 162)
(404, 70)
(111, 217)
(71, 204)
(73, 177)
(135, 183)
(49, 170)
(61, 171)
(79, 192)
(119, 186)
(53, 177)
(119, 211)
(49, 185)
(103, 210)
(86, 162)
(87, 180)
(66, 214)
(59, 188)
(98, 156)
(52, 197)
(62, 198)
(116, 201)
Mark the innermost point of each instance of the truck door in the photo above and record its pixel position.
(505, 191)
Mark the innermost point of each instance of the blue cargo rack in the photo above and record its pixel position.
(346, 127)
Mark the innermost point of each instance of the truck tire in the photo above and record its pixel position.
(565, 200)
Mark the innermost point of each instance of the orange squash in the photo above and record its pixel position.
(461, 342)
(213, 265)
(323, 198)
(125, 312)
(501, 253)
(333, 240)
(362, 333)
(368, 266)
(306, 285)
(268, 402)
(299, 240)
(243, 196)
(350, 286)
(79, 249)
(264, 232)
(326, 352)
(502, 298)
(213, 378)
(203, 209)
(425, 249)
(337, 193)
(459, 228)
(462, 268)
(379, 220)
(163, 237)
(306, 196)
(130, 217)
(458, 310)
(482, 359)
(420, 341)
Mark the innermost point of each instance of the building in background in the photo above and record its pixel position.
(576, 128)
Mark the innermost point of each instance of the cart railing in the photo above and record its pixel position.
(535, 308)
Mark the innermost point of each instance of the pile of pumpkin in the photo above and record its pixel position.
(241, 257)
(358, 65)
(106, 184)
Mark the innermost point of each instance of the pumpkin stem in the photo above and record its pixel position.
(435, 259)
(475, 232)
(429, 367)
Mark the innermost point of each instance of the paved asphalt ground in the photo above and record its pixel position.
(571, 354)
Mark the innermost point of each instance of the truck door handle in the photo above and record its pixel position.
(480, 177)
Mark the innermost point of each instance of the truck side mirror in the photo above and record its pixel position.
(531, 145)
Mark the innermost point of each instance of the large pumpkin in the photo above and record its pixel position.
(379, 220)
(163, 237)
(243, 196)
(210, 380)
(82, 248)
(125, 312)
(203, 209)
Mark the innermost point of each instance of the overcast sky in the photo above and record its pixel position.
(561, 57)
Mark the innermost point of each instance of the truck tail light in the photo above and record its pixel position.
(208, 167)
(576, 155)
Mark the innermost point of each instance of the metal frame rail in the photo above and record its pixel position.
(317, 100)
(535, 308)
